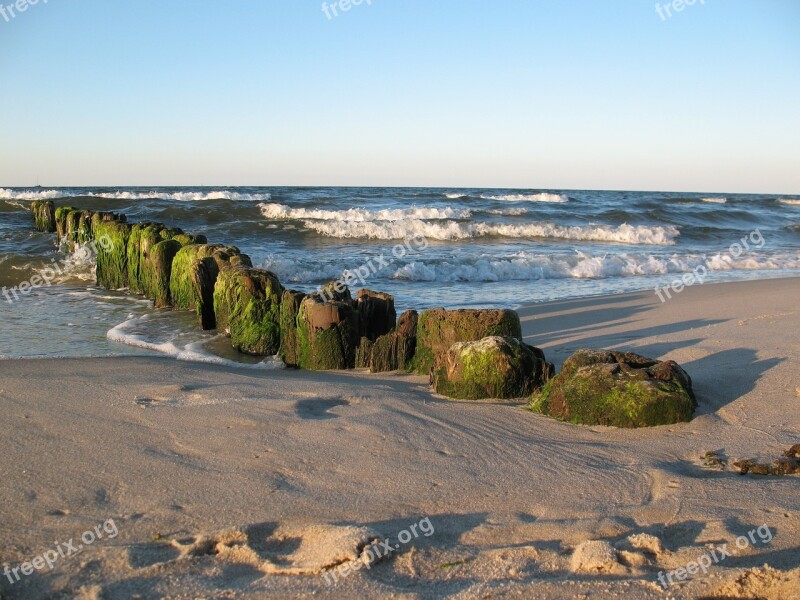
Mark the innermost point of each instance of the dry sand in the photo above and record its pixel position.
(234, 483)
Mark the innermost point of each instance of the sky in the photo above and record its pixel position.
(544, 94)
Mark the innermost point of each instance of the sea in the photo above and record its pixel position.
(428, 247)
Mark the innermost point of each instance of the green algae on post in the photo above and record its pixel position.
(112, 258)
(247, 308)
(61, 220)
(143, 237)
(438, 329)
(290, 307)
(156, 272)
(394, 351)
(44, 215)
(327, 332)
(194, 272)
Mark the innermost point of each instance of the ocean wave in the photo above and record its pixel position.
(541, 197)
(361, 215)
(789, 201)
(184, 196)
(192, 352)
(8, 194)
(453, 231)
(531, 267)
(508, 212)
(12, 206)
(456, 196)
(715, 200)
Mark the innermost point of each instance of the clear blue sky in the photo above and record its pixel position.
(512, 93)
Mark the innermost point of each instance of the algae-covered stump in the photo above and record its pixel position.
(195, 269)
(395, 350)
(327, 332)
(44, 215)
(290, 308)
(112, 255)
(438, 329)
(377, 315)
(143, 237)
(247, 307)
(621, 389)
(61, 220)
(156, 272)
(492, 368)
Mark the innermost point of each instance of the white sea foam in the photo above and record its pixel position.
(541, 197)
(715, 200)
(274, 211)
(192, 352)
(789, 201)
(531, 267)
(452, 231)
(7, 194)
(456, 196)
(509, 212)
(17, 204)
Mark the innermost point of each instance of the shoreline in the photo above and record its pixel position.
(173, 451)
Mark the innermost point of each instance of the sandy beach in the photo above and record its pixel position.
(204, 481)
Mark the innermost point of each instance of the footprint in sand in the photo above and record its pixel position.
(270, 548)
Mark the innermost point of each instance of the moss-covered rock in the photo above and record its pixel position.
(44, 215)
(112, 255)
(195, 269)
(494, 367)
(61, 220)
(439, 329)
(247, 306)
(143, 237)
(156, 271)
(394, 351)
(377, 315)
(290, 308)
(327, 333)
(621, 389)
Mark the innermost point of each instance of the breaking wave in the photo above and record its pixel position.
(528, 266)
(452, 231)
(195, 351)
(361, 215)
(187, 196)
(541, 197)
